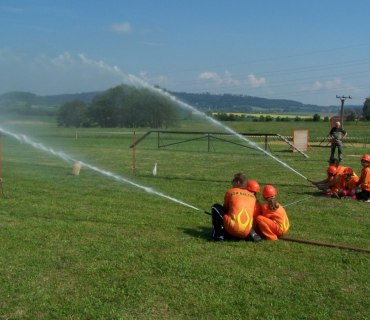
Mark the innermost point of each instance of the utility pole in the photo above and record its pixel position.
(342, 99)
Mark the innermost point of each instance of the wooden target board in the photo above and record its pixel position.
(300, 139)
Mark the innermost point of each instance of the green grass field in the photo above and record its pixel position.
(95, 247)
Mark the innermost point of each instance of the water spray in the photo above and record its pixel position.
(300, 200)
(144, 84)
(25, 139)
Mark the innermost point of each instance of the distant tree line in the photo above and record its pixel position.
(226, 116)
(241, 103)
(132, 107)
(121, 106)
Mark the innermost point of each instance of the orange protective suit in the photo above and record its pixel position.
(257, 210)
(349, 186)
(340, 169)
(240, 206)
(272, 223)
(364, 181)
(336, 181)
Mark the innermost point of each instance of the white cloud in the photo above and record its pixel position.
(227, 82)
(210, 76)
(225, 79)
(318, 85)
(256, 82)
(333, 86)
(124, 28)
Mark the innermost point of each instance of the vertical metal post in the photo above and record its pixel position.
(134, 154)
(208, 141)
(266, 142)
(158, 139)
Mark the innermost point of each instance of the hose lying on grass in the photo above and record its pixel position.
(323, 244)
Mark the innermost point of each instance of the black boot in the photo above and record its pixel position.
(255, 236)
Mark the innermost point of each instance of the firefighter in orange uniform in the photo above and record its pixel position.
(234, 219)
(273, 221)
(347, 184)
(330, 184)
(364, 181)
(334, 171)
(335, 162)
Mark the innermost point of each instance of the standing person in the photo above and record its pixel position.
(273, 221)
(337, 134)
(364, 181)
(235, 217)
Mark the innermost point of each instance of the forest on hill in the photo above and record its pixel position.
(29, 103)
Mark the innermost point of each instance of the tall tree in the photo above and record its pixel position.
(366, 109)
(73, 114)
(125, 106)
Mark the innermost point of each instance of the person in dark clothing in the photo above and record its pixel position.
(336, 135)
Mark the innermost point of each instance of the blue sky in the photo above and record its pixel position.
(308, 50)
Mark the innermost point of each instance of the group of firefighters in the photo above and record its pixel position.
(243, 217)
(343, 182)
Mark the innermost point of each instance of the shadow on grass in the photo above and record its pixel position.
(205, 233)
(201, 232)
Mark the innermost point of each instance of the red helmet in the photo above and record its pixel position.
(366, 157)
(269, 191)
(332, 170)
(253, 186)
(348, 171)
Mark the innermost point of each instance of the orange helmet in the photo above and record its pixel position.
(348, 171)
(253, 186)
(366, 158)
(332, 170)
(269, 191)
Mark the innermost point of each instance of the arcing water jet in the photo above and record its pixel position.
(134, 79)
(25, 139)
